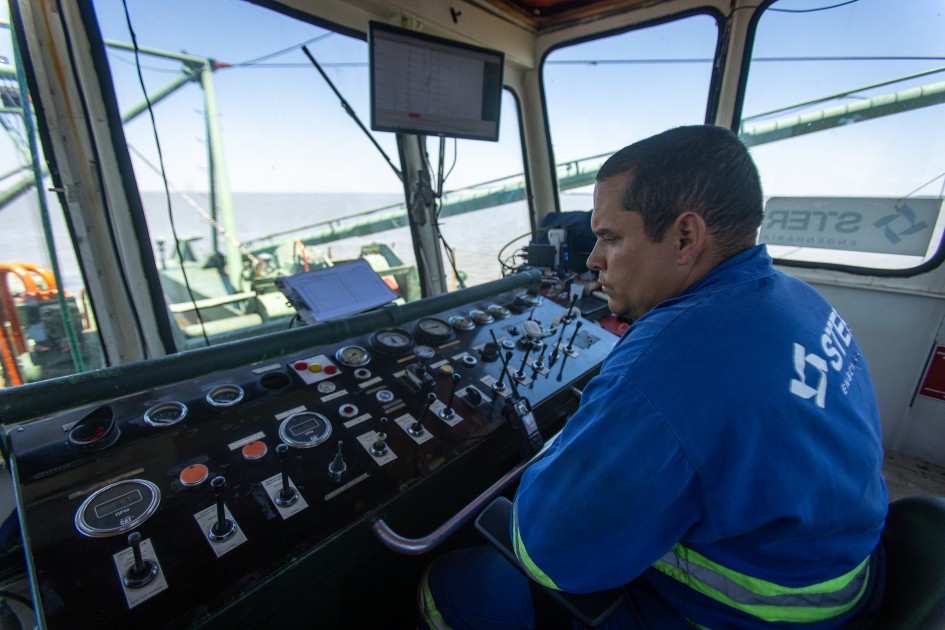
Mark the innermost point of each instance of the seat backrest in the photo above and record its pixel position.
(914, 538)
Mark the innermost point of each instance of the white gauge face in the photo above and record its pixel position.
(225, 395)
(434, 328)
(352, 356)
(392, 341)
(165, 414)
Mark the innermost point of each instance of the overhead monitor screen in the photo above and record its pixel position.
(433, 86)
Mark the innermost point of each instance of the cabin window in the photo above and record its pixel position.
(843, 111)
(47, 326)
(264, 174)
(484, 206)
(604, 94)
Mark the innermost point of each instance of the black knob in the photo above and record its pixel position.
(490, 351)
(473, 396)
(142, 571)
(570, 347)
(448, 410)
(287, 495)
(224, 527)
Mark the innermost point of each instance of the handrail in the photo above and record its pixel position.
(417, 546)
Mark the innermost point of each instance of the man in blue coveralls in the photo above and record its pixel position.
(724, 468)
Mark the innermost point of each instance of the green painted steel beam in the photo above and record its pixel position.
(867, 109)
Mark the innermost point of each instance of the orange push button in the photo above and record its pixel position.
(194, 475)
(255, 450)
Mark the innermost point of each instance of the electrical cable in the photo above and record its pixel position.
(815, 9)
(163, 171)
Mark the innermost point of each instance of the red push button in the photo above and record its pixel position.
(300, 365)
(255, 450)
(194, 475)
(331, 369)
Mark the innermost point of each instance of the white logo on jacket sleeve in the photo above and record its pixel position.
(799, 386)
(834, 343)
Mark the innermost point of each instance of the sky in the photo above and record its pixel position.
(285, 130)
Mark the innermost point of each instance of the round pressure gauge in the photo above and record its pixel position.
(480, 316)
(353, 356)
(96, 431)
(498, 310)
(117, 508)
(225, 395)
(392, 341)
(165, 414)
(461, 322)
(305, 429)
(432, 330)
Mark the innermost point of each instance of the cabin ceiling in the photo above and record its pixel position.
(548, 14)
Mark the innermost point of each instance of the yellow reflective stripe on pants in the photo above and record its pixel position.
(431, 616)
(522, 554)
(766, 600)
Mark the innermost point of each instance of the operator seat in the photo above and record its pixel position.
(914, 538)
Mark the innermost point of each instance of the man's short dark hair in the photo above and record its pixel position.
(700, 168)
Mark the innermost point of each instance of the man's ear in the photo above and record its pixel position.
(690, 233)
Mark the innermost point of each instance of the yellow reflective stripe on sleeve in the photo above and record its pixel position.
(763, 599)
(431, 616)
(522, 554)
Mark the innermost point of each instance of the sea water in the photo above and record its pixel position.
(477, 237)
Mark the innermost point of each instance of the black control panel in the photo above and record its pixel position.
(174, 506)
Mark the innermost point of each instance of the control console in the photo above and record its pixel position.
(174, 505)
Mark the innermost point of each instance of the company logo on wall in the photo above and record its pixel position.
(861, 224)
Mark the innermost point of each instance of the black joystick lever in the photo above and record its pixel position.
(570, 347)
(337, 467)
(539, 363)
(554, 353)
(416, 428)
(569, 315)
(447, 411)
(379, 448)
(287, 495)
(499, 385)
(224, 528)
(142, 571)
(520, 374)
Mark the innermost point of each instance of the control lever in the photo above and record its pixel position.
(224, 528)
(499, 385)
(379, 448)
(554, 354)
(287, 495)
(337, 467)
(539, 363)
(142, 571)
(520, 374)
(447, 412)
(416, 429)
(570, 347)
(568, 316)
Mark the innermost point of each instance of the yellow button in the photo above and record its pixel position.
(315, 367)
